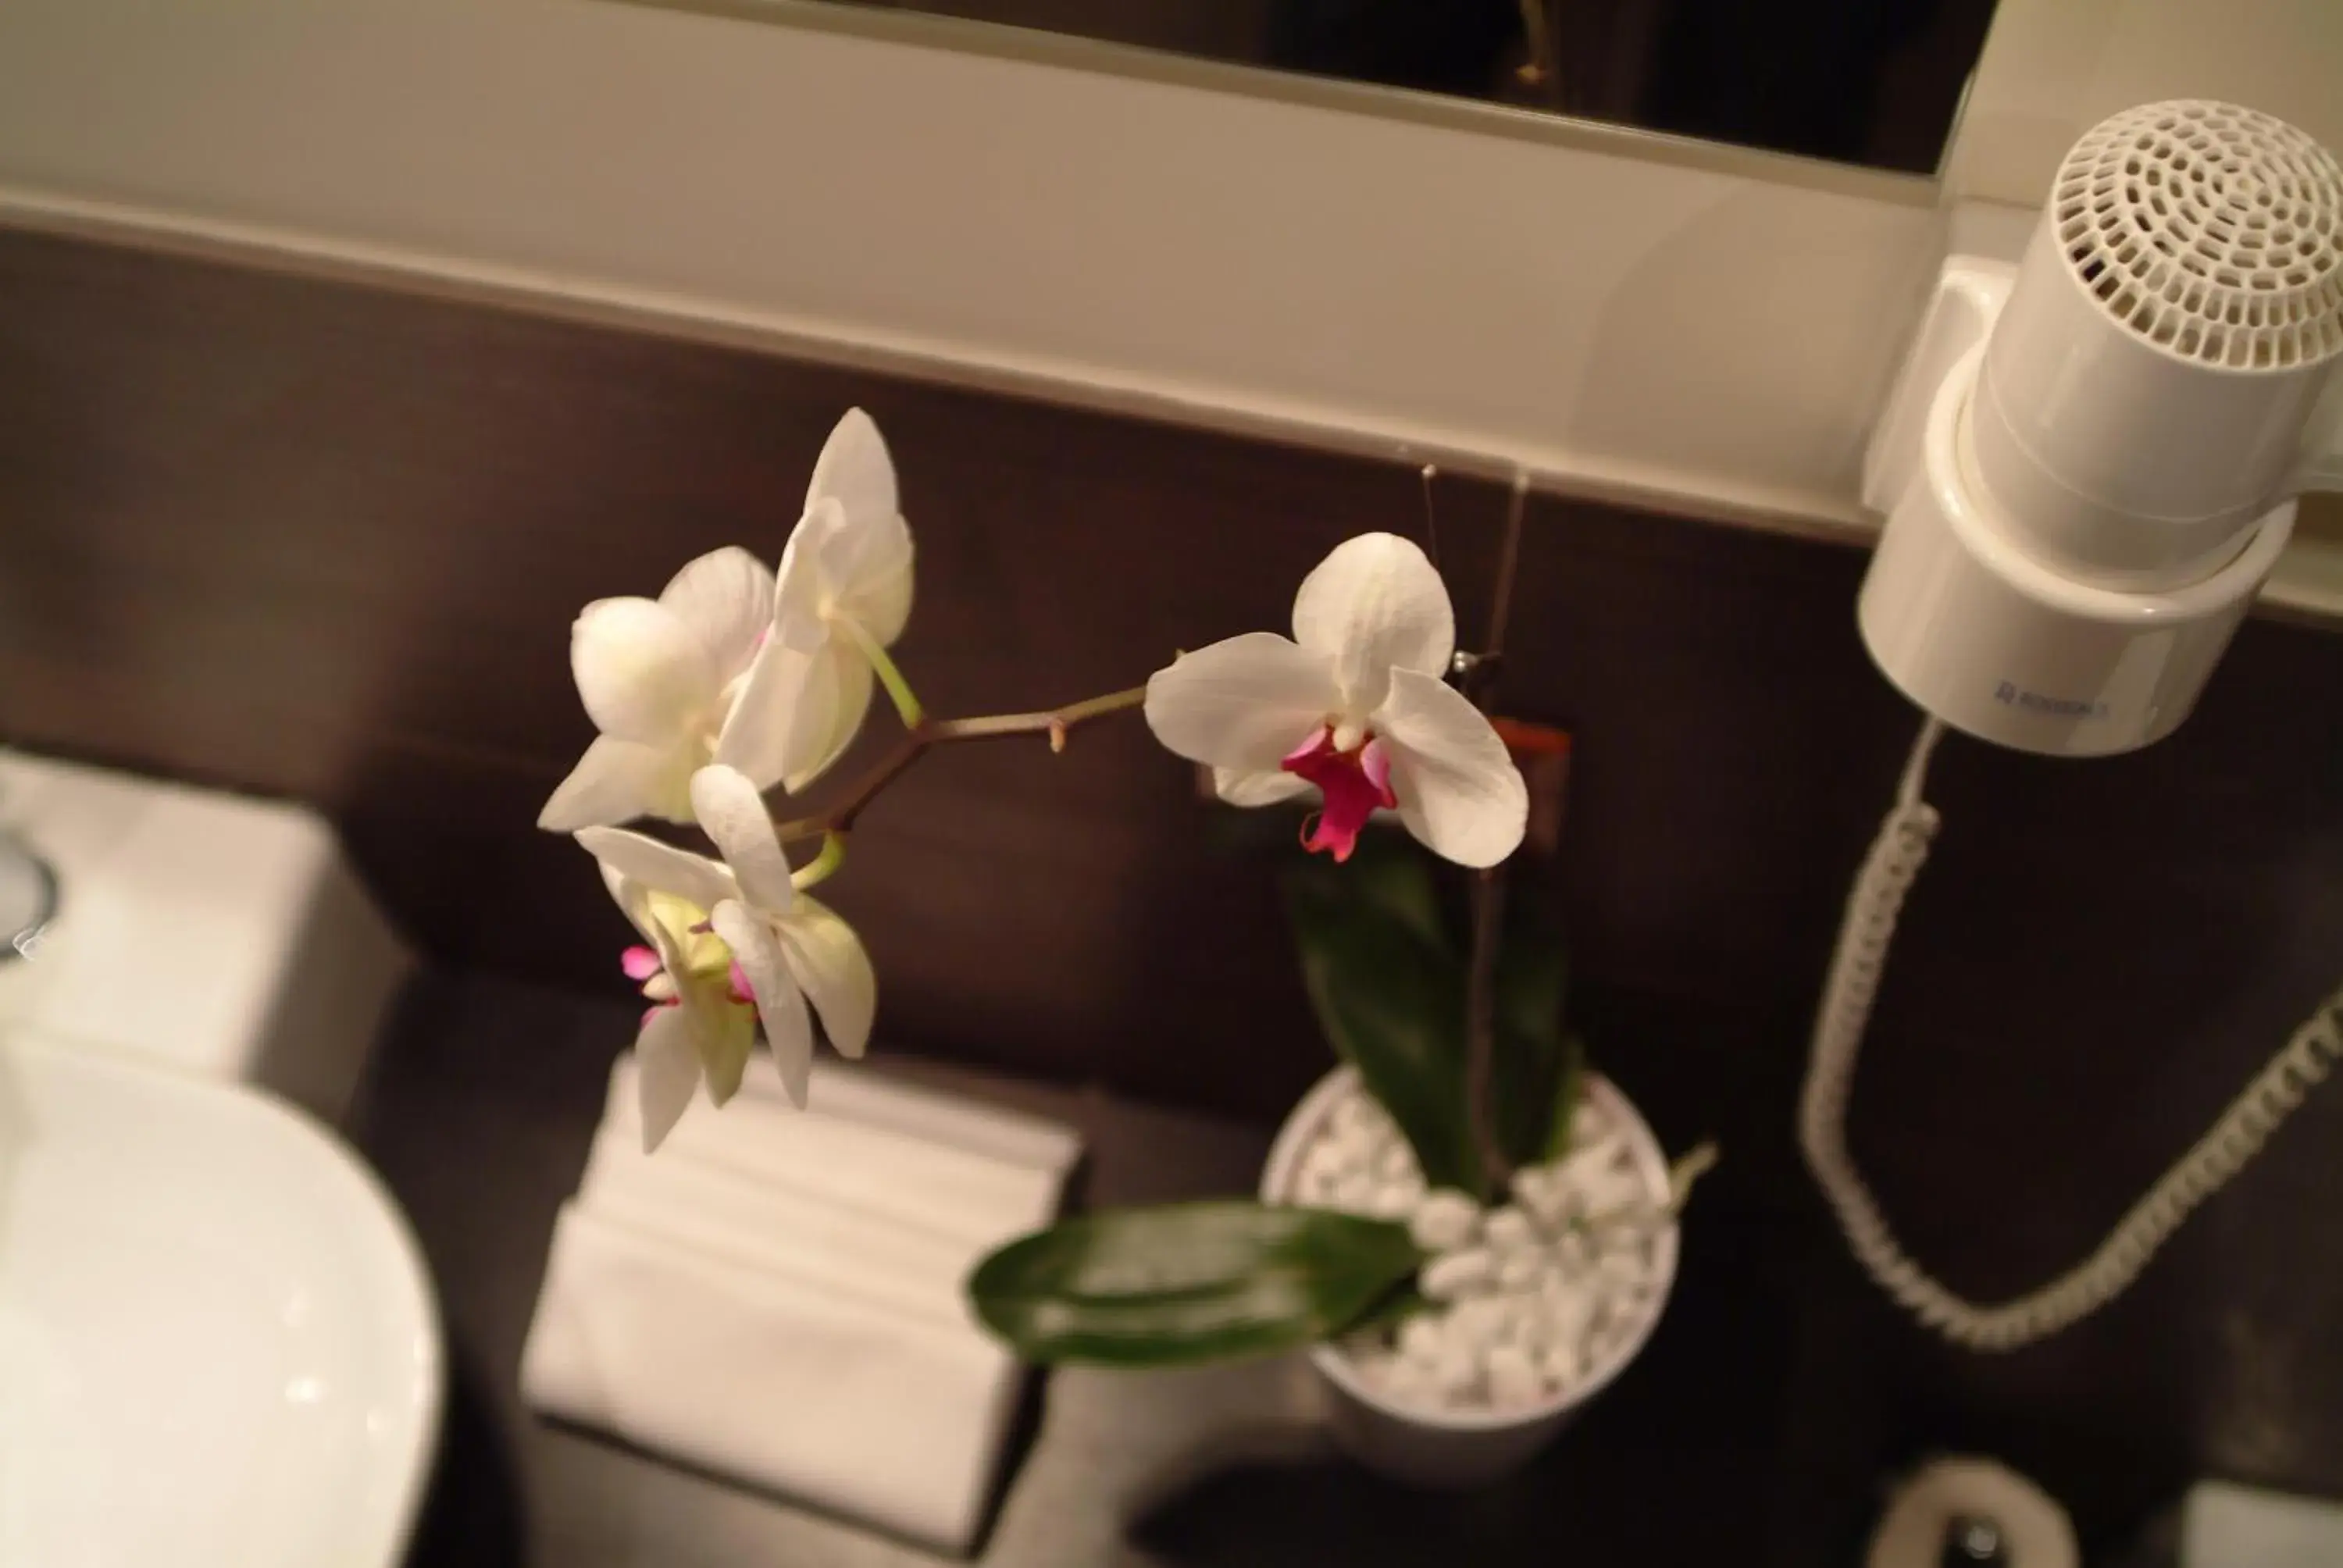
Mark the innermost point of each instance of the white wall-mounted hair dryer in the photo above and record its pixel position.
(2088, 467)
(2090, 463)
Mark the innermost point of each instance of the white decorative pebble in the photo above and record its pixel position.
(1412, 1382)
(1595, 1154)
(1512, 1377)
(1452, 1274)
(1561, 1367)
(1623, 1270)
(1445, 1220)
(1521, 1270)
(1320, 1177)
(1507, 1230)
(1529, 1296)
(1546, 1195)
(1421, 1338)
(1564, 1315)
(1457, 1373)
(1477, 1320)
(1614, 1193)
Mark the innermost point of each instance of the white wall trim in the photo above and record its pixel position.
(1630, 320)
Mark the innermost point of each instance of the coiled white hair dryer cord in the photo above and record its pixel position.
(1880, 887)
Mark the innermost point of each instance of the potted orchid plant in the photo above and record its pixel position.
(1471, 1233)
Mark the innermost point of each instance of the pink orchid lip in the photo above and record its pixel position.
(642, 966)
(1355, 784)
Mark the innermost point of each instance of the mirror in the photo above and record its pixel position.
(1868, 82)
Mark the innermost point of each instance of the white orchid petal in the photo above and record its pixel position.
(788, 1031)
(643, 675)
(757, 729)
(1243, 704)
(1373, 604)
(618, 781)
(672, 942)
(800, 591)
(1458, 790)
(732, 813)
(854, 468)
(868, 564)
(833, 970)
(831, 704)
(726, 598)
(634, 903)
(1266, 788)
(660, 868)
(667, 1069)
(724, 1033)
(881, 598)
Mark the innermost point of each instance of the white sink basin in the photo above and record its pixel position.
(218, 1342)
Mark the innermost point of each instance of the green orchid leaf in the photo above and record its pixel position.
(1387, 977)
(1403, 1301)
(1565, 1100)
(1391, 1004)
(1188, 1282)
(1533, 1075)
(1389, 873)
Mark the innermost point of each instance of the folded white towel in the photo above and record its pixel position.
(776, 1295)
(769, 1226)
(923, 1177)
(876, 1415)
(858, 1094)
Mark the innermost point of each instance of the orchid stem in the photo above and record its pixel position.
(1488, 905)
(1052, 722)
(899, 690)
(926, 734)
(816, 871)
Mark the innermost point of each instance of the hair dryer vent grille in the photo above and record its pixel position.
(2214, 232)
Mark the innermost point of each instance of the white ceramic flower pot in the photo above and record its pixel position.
(1463, 1449)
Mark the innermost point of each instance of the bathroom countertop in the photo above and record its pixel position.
(478, 1113)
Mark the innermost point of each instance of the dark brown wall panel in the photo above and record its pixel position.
(322, 542)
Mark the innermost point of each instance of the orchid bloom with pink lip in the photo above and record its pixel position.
(662, 680)
(647, 966)
(701, 1021)
(755, 930)
(1353, 704)
(842, 598)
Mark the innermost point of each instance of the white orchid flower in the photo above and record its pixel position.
(659, 678)
(1355, 704)
(842, 595)
(701, 1021)
(790, 949)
